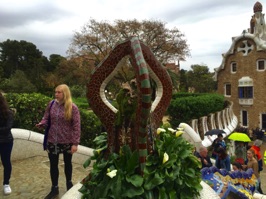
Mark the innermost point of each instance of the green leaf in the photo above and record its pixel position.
(172, 194)
(116, 185)
(190, 172)
(132, 192)
(87, 163)
(162, 194)
(152, 182)
(135, 180)
(133, 162)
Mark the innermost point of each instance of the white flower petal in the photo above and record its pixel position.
(159, 130)
(165, 157)
(112, 174)
(172, 130)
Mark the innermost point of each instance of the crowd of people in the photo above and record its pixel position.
(246, 157)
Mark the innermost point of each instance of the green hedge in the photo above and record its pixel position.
(185, 107)
(30, 110)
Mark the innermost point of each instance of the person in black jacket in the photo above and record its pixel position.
(202, 155)
(6, 141)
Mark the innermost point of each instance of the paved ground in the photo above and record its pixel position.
(31, 179)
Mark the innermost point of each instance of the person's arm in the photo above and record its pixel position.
(44, 121)
(228, 163)
(76, 125)
(209, 163)
(255, 168)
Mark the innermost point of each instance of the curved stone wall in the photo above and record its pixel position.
(224, 120)
(29, 144)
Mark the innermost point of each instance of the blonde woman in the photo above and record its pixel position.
(63, 118)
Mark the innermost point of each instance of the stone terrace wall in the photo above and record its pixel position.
(29, 144)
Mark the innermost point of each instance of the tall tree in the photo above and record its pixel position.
(201, 79)
(18, 83)
(96, 39)
(23, 56)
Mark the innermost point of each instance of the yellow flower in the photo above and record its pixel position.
(98, 151)
(159, 130)
(111, 174)
(178, 133)
(165, 157)
(172, 130)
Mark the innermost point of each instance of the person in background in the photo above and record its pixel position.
(203, 157)
(217, 144)
(253, 164)
(256, 147)
(240, 152)
(223, 160)
(63, 136)
(6, 141)
(237, 166)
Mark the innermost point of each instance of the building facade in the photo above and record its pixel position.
(241, 76)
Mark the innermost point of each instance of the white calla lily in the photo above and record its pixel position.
(159, 130)
(111, 174)
(178, 133)
(171, 130)
(165, 157)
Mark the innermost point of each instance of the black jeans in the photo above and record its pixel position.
(5, 152)
(54, 171)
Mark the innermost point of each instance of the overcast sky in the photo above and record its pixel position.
(208, 25)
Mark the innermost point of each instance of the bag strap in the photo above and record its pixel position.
(47, 128)
(49, 119)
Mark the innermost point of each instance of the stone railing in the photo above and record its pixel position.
(224, 120)
(29, 144)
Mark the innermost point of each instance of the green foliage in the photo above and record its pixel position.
(18, 83)
(81, 102)
(184, 109)
(78, 91)
(29, 109)
(177, 178)
(90, 127)
(23, 56)
(201, 79)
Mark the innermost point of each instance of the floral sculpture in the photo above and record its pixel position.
(135, 158)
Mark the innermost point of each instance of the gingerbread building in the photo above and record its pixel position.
(241, 76)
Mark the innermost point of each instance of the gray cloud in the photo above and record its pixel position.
(24, 16)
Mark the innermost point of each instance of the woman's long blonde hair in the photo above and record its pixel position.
(67, 100)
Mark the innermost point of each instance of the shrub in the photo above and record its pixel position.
(30, 109)
(188, 107)
(90, 128)
(116, 176)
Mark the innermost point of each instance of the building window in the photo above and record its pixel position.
(233, 67)
(263, 121)
(227, 89)
(244, 118)
(261, 64)
(245, 92)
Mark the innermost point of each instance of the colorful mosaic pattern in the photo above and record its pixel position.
(149, 114)
(239, 184)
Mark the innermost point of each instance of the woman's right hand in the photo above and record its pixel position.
(39, 125)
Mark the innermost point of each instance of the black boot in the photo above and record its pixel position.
(53, 193)
(69, 185)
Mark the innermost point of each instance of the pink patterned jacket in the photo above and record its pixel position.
(62, 131)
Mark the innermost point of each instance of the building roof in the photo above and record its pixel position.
(257, 33)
